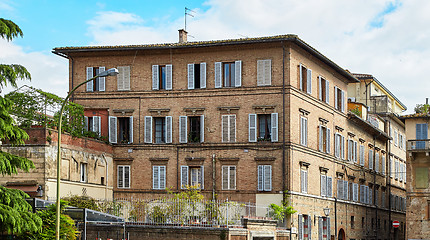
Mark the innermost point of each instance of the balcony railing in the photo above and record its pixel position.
(419, 145)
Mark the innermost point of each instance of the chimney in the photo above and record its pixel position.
(182, 36)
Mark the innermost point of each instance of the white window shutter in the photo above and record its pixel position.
(355, 152)
(370, 159)
(218, 75)
(202, 128)
(97, 125)
(225, 130)
(267, 178)
(342, 101)
(183, 129)
(169, 129)
(169, 77)
(328, 140)
(274, 131)
(300, 234)
(184, 177)
(345, 190)
(268, 72)
(131, 130)
(384, 164)
(320, 139)
(112, 129)
(320, 88)
(148, 129)
(309, 81)
(329, 187)
(252, 127)
(155, 77)
(301, 76)
(335, 98)
(202, 177)
(232, 125)
(327, 92)
(376, 161)
(232, 177)
(260, 72)
(323, 185)
(86, 122)
(309, 226)
(126, 176)
(320, 228)
(102, 80)
(90, 85)
(155, 177)
(162, 177)
(260, 179)
(191, 76)
(120, 78)
(225, 177)
(342, 147)
(127, 73)
(203, 75)
(238, 73)
(120, 179)
(123, 78)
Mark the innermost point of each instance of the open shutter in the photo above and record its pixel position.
(301, 76)
(232, 177)
(225, 128)
(86, 122)
(202, 75)
(252, 127)
(225, 177)
(323, 185)
(260, 72)
(342, 146)
(342, 100)
(155, 177)
(328, 228)
(327, 92)
(335, 98)
(102, 83)
(321, 140)
(345, 190)
(169, 77)
(202, 177)
(183, 129)
(184, 177)
(97, 125)
(238, 73)
(260, 177)
(130, 140)
(309, 81)
(329, 187)
(202, 128)
(320, 228)
(90, 85)
(309, 227)
(320, 96)
(355, 152)
(218, 75)
(148, 129)
(328, 141)
(370, 159)
(274, 133)
(112, 129)
(191, 76)
(267, 178)
(126, 176)
(300, 225)
(232, 124)
(169, 129)
(155, 77)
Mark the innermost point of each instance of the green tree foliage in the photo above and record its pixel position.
(82, 202)
(422, 108)
(15, 213)
(279, 212)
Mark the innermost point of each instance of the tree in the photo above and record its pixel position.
(15, 213)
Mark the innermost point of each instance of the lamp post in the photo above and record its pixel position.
(326, 211)
(110, 72)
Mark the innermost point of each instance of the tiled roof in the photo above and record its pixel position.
(416, 115)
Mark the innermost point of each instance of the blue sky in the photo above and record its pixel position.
(386, 38)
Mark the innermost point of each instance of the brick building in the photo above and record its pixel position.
(255, 119)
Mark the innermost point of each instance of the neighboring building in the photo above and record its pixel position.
(86, 166)
(417, 165)
(251, 120)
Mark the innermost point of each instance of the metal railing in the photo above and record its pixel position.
(418, 144)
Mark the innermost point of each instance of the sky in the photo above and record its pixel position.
(386, 38)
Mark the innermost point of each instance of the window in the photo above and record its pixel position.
(158, 177)
(371, 159)
(324, 92)
(228, 74)
(121, 129)
(395, 138)
(196, 76)
(364, 194)
(383, 168)
(304, 180)
(123, 176)
(264, 72)
(192, 176)
(396, 169)
(162, 77)
(401, 171)
(158, 129)
(304, 232)
(391, 167)
(354, 192)
(324, 228)
(305, 79)
(339, 99)
(93, 124)
(83, 172)
(97, 84)
(376, 197)
(264, 178)
(123, 78)
(191, 129)
(263, 127)
(228, 126)
(324, 139)
(352, 222)
(339, 146)
(326, 186)
(352, 150)
(362, 155)
(376, 161)
(303, 131)
(228, 177)
(342, 189)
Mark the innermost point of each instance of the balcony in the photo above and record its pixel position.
(419, 145)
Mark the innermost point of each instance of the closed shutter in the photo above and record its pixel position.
(169, 77)
(303, 131)
(260, 179)
(162, 177)
(309, 227)
(202, 75)
(320, 228)
(123, 78)
(131, 130)
(225, 128)
(355, 152)
(184, 177)
(155, 77)
(302, 181)
(260, 72)
(238, 73)
(90, 85)
(232, 125)
(336, 145)
(218, 75)
(370, 159)
(349, 149)
(155, 177)
(323, 185)
(377, 162)
(328, 228)
(202, 177)
(102, 83)
(148, 129)
(309, 81)
(342, 147)
(361, 155)
(300, 225)
(321, 139)
(267, 178)
(97, 125)
(169, 129)
(274, 133)
(329, 187)
(328, 140)
(327, 92)
(335, 99)
(183, 129)
(383, 164)
(252, 127)
(342, 101)
(340, 189)
(126, 176)
(202, 128)
(120, 176)
(191, 76)
(127, 74)
(232, 177)
(225, 178)
(112, 129)
(356, 192)
(264, 72)
(345, 190)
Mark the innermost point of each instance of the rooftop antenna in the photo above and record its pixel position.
(187, 12)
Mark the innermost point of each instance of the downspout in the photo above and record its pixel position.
(335, 217)
(283, 123)
(389, 185)
(213, 178)
(106, 183)
(177, 168)
(71, 77)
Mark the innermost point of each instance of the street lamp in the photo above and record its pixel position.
(110, 72)
(326, 211)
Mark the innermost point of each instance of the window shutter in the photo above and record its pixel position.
(238, 73)
(328, 228)
(377, 161)
(120, 78)
(361, 155)
(202, 177)
(86, 122)
(89, 76)
(112, 129)
(339, 189)
(97, 125)
(355, 151)
(309, 81)
(169, 129)
(131, 130)
(309, 227)
(183, 129)
(260, 72)
(102, 83)
(155, 77)
(232, 124)
(184, 177)
(268, 72)
(225, 128)
(218, 75)
(126, 176)
(321, 140)
(300, 225)
(329, 187)
(356, 192)
(155, 177)
(169, 78)
(327, 92)
(203, 75)
(323, 185)
(120, 176)
(370, 159)
(302, 181)
(162, 177)
(267, 178)
(335, 98)
(202, 128)
(320, 228)
(274, 134)
(336, 146)
(328, 140)
(148, 129)
(260, 179)
(252, 127)
(232, 177)
(384, 164)
(127, 73)
(191, 76)
(123, 78)
(320, 88)
(345, 190)
(342, 101)
(306, 181)
(225, 177)
(301, 76)
(342, 146)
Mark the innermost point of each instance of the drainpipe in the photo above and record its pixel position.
(177, 168)
(284, 195)
(213, 178)
(335, 218)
